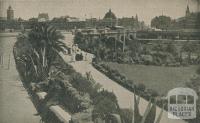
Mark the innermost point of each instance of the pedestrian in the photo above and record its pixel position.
(85, 56)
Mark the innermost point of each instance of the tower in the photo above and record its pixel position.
(187, 11)
(1, 8)
(10, 13)
(136, 17)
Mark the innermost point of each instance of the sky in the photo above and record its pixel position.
(145, 9)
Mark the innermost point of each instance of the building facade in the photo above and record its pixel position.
(42, 17)
(189, 21)
(10, 13)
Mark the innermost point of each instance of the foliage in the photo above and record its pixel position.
(190, 48)
(105, 103)
(81, 83)
(198, 70)
(141, 87)
(195, 85)
(78, 38)
(38, 60)
(161, 22)
(171, 48)
(110, 50)
(24, 63)
(126, 115)
(43, 43)
(149, 114)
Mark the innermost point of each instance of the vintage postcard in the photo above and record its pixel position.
(99, 61)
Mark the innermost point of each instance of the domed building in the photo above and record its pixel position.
(109, 19)
(110, 15)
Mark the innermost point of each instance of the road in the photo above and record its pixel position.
(15, 103)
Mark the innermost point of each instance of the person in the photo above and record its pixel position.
(73, 57)
(85, 56)
(89, 76)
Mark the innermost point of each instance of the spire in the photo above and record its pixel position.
(110, 10)
(136, 17)
(187, 11)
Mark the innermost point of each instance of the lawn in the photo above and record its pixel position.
(158, 78)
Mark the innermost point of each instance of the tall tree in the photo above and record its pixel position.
(45, 42)
(161, 22)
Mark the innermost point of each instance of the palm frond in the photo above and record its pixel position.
(146, 112)
(151, 115)
(160, 115)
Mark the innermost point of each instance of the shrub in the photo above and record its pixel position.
(141, 87)
(152, 93)
(126, 115)
(198, 70)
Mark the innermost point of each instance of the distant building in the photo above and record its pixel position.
(3, 18)
(73, 19)
(1, 9)
(109, 19)
(187, 13)
(110, 15)
(129, 22)
(42, 17)
(10, 13)
(92, 22)
(189, 21)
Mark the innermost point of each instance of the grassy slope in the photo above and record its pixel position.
(157, 78)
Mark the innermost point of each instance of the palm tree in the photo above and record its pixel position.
(46, 42)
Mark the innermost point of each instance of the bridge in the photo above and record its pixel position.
(115, 35)
(123, 35)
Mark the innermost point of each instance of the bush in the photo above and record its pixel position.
(126, 115)
(81, 83)
(198, 70)
(141, 87)
(152, 93)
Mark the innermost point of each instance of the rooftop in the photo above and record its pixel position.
(110, 15)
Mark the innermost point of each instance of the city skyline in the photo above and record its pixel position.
(97, 9)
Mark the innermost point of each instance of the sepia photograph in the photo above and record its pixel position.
(99, 61)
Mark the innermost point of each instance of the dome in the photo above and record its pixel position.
(110, 15)
(10, 8)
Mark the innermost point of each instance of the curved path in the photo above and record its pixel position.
(15, 103)
(125, 97)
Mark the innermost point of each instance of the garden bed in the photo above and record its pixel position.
(139, 88)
